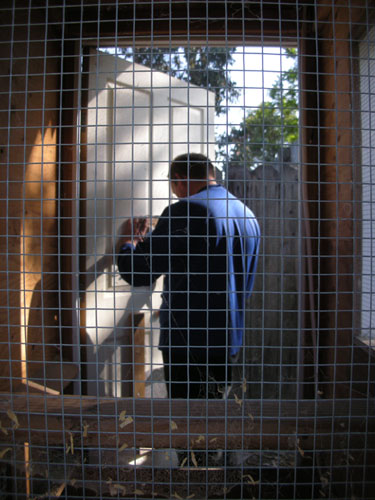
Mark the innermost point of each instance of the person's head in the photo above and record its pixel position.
(189, 172)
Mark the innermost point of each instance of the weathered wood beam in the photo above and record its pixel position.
(177, 18)
(249, 424)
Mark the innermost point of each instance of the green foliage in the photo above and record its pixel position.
(267, 129)
(202, 66)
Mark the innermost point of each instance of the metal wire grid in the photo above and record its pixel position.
(84, 411)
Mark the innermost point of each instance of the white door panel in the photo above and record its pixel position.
(138, 120)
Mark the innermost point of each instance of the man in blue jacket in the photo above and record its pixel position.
(206, 246)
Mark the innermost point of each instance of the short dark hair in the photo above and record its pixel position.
(191, 166)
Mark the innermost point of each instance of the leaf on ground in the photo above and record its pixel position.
(238, 400)
(250, 479)
(14, 418)
(251, 421)
(119, 488)
(173, 425)
(85, 429)
(71, 443)
(4, 452)
(244, 385)
(126, 421)
(2, 429)
(69, 447)
(324, 480)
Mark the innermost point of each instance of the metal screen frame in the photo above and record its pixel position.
(326, 431)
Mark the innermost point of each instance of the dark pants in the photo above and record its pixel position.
(187, 375)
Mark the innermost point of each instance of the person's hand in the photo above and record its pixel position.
(132, 230)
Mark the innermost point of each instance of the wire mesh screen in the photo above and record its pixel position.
(187, 294)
